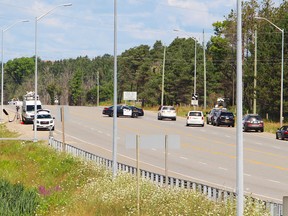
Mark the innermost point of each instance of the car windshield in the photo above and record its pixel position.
(285, 128)
(31, 107)
(42, 116)
(253, 118)
(168, 108)
(195, 114)
(226, 114)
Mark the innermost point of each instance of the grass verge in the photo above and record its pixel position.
(69, 186)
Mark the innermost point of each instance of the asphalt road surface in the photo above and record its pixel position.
(206, 154)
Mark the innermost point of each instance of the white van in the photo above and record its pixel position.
(28, 107)
(28, 110)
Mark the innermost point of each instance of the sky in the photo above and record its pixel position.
(86, 28)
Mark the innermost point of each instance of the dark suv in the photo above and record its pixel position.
(211, 116)
(225, 118)
(253, 122)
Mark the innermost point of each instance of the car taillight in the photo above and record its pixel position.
(285, 132)
(202, 117)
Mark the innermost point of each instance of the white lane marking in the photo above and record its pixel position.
(227, 136)
(202, 163)
(153, 149)
(184, 158)
(177, 173)
(260, 144)
(222, 168)
(101, 132)
(245, 174)
(273, 181)
(276, 147)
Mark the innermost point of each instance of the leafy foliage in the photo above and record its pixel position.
(140, 69)
(16, 200)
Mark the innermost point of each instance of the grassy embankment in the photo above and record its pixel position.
(68, 186)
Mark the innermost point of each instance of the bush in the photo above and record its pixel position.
(16, 200)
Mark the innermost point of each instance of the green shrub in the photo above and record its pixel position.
(16, 200)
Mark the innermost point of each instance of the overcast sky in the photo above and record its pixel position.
(87, 27)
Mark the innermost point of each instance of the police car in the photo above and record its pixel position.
(44, 120)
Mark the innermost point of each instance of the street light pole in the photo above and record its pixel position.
(282, 67)
(204, 58)
(2, 64)
(255, 75)
(163, 74)
(239, 131)
(195, 57)
(36, 66)
(114, 150)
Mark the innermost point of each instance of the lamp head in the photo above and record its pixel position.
(67, 5)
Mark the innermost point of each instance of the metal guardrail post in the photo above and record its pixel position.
(276, 209)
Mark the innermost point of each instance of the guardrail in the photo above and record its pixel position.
(275, 209)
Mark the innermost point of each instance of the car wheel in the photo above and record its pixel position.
(282, 137)
(187, 125)
(159, 117)
(174, 119)
(277, 136)
(202, 125)
(207, 121)
(134, 115)
(262, 130)
(245, 129)
(233, 125)
(111, 115)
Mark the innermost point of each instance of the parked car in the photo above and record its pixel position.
(252, 122)
(210, 115)
(122, 110)
(44, 120)
(282, 132)
(166, 112)
(224, 118)
(195, 118)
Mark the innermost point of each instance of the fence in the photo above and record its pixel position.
(276, 209)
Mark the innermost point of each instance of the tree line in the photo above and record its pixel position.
(140, 69)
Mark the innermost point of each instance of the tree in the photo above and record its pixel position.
(76, 88)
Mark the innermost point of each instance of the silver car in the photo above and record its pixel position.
(167, 112)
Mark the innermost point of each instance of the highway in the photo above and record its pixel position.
(206, 154)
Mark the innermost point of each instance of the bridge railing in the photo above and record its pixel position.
(213, 193)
